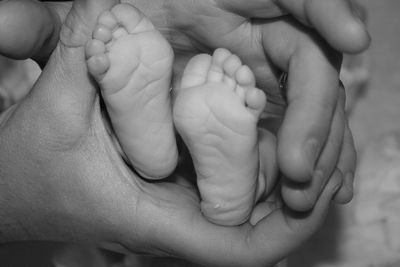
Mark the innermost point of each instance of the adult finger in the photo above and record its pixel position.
(336, 20)
(266, 197)
(64, 87)
(252, 9)
(31, 28)
(183, 232)
(312, 94)
(303, 196)
(347, 165)
(268, 163)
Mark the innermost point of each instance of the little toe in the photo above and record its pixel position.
(94, 47)
(255, 100)
(196, 71)
(98, 65)
(108, 19)
(102, 33)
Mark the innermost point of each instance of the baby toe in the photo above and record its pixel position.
(245, 77)
(231, 65)
(94, 47)
(98, 65)
(102, 33)
(131, 18)
(108, 20)
(255, 100)
(196, 71)
(220, 55)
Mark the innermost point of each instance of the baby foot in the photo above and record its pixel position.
(132, 62)
(216, 111)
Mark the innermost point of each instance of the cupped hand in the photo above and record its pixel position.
(337, 21)
(63, 179)
(315, 127)
(314, 116)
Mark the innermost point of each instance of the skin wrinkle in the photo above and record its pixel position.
(103, 136)
(300, 10)
(77, 123)
(205, 18)
(271, 80)
(70, 36)
(251, 239)
(189, 250)
(255, 39)
(264, 9)
(221, 123)
(148, 83)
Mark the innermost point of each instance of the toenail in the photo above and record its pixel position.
(311, 150)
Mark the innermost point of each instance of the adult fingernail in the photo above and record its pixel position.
(312, 149)
(360, 19)
(348, 181)
(318, 178)
(363, 26)
(318, 186)
(358, 11)
(338, 180)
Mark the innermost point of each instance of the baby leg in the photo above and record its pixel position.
(132, 63)
(216, 111)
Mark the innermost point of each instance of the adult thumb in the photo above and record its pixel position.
(65, 88)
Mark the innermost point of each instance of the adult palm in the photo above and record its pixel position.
(314, 140)
(63, 179)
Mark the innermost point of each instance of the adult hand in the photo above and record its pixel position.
(336, 21)
(62, 178)
(314, 140)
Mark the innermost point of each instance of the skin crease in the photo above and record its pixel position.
(59, 125)
(137, 98)
(290, 150)
(293, 154)
(318, 122)
(315, 13)
(216, 117)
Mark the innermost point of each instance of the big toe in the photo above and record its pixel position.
(81, 21)
(131, 18)
(216, 72)
(196, 71)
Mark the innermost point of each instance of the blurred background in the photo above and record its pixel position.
(365, 233)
